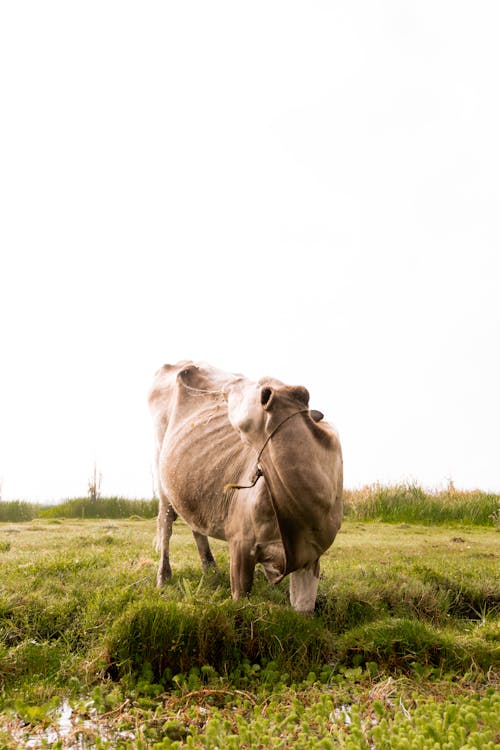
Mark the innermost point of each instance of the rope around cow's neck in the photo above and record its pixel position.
(258, 471)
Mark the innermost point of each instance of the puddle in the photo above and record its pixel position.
(71, 730)
(63, 728)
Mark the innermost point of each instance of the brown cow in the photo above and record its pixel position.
(249, 463)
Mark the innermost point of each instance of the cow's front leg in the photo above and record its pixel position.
(304, 588)
(242, 567)
(206, 557)
(166, 518)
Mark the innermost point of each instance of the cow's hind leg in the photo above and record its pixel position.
(166, 518)
(206, 557)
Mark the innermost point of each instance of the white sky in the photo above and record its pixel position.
(308, 190)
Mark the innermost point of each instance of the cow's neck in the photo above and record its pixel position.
(300, 497)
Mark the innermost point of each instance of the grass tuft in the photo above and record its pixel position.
(401, 643)
(172, 638)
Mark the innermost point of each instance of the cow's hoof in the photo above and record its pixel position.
(163, 578)
(208, 565)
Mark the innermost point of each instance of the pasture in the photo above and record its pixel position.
(403, 650)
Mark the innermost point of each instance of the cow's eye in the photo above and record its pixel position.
(265, 396)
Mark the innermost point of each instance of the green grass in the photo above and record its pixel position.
(406, 636)
(409, 503)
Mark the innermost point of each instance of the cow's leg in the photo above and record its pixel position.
(206, 557)
(166, 518)
(304, 588)
(242, 568)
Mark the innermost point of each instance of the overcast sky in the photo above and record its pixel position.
(308, 190)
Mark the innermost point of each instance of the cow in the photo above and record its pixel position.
(250, 463)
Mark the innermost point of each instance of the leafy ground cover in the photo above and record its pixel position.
(403, 651)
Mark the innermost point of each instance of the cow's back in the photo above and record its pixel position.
(198, 451)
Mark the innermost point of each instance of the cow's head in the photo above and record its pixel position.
(255, 409)
(300, 460)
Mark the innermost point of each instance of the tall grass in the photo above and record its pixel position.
(409, 503)
(17, 510)
(106, 507)
(403, 503)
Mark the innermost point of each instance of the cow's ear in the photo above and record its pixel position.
(266, 397)
(301, 394)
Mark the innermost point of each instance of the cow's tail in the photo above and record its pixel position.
(156, 542)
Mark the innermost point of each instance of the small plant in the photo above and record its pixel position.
(495, 517)
(94, 485)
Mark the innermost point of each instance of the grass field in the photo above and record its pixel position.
(403, 651)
